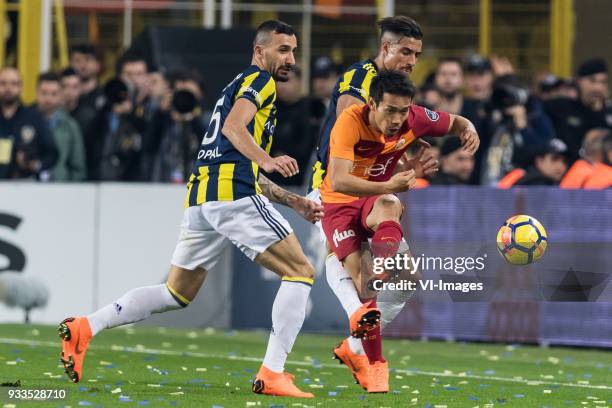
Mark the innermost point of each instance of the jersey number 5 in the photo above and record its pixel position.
(215, 121)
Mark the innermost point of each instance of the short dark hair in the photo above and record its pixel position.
(391, 82)
(48, 77)
(86, 49)
(271, 26)
(128, 59)
(400, 25)
(68, 72)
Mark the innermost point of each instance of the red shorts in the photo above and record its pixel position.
(345, 225)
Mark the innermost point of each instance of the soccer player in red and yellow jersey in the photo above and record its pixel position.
(357, 193)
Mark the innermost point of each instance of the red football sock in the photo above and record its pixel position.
(372, 343)
(386, 239)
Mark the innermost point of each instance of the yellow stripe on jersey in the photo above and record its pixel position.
(308, 281)
(366, 83)
(317, 175)
(225, 190)
(263, 114)
(189, 187)
(345, 85)
(248, 80)
(203, 178)
(256, 175)
(268, 90)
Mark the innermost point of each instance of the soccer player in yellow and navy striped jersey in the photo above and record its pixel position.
(221, 172)
(400, 46)
(229, 202)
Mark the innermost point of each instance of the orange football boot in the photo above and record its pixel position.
(358, 364)
(75, 334)
(378, 379)
(280, 384)
(363, 320)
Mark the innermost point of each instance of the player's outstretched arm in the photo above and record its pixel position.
(310, 210)
(342, 181)
(466, 131)
(236, 131)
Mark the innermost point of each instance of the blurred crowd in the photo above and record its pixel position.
(146, 125)
(554, 131)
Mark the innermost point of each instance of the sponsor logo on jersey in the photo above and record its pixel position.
(209, 154)
(361, 92)
(433, 116)
(253, 92)
(376, 170)
(341, 236)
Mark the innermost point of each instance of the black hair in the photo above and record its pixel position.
(86, 49)
(184, 75)
(400, 25)
(130, 58)
(48, 77)
(68, 72)
(391, 82)
(271, 26)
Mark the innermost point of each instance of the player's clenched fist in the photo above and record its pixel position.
(285, 165)
(401, 181)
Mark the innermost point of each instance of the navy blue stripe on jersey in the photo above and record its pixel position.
(244, 180)
(266, 210)
(267, 221)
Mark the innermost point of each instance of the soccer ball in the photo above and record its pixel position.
(521, 240)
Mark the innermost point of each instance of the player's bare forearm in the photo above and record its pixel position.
(460, 124)
(242, 140)
(354, 186)
(276, 193)
(466, 131)
(310, 210)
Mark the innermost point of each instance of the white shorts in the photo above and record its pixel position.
(315, 195)
(251, 223)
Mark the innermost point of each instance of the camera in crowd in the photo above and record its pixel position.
(116, 92)
(507, 92)
(184, 101)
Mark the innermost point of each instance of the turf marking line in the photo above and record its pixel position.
(144, 350)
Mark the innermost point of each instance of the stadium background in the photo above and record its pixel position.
(92, 242)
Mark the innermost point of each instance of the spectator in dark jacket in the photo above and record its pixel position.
(574, 118)
(548, 166)
(85, 61)
(514, 124)
(456, 165)
(27, 149)
(175, 132)
(114, 139)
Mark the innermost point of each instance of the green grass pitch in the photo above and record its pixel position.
(143, 366)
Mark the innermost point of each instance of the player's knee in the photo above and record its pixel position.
(301, 268)
(389, 203)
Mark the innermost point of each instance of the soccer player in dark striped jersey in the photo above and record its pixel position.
(401, 41)
(229, 201)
